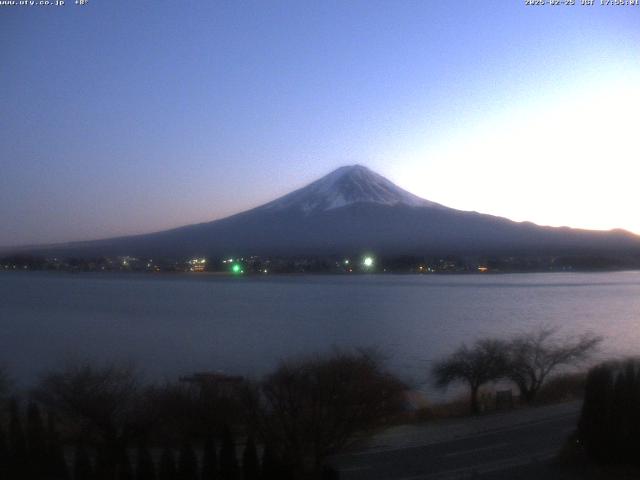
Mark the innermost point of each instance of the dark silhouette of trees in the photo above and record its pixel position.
(303, 412)
(36, 442)
(250, 463)
(269, 464)
(5, 383)
(101, 402)
(314, 407)
(145, 468)
(167, 468)
(187, 462)
(82, 468)
(330, 473)
(486, 361)
(609, 425)
(4, 454)
(107, 463)
(272, 466)
(174, 410)
(533, 356)
(193, 407)
(57, 465)
(209, 459)
(33, 451)
(18, 455)
(124, 471)
(527, 360)
(228, 459)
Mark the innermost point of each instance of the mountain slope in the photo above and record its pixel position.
(354, 209)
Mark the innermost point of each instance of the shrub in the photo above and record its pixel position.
(315, 407)
(563, 387)
(609, 426)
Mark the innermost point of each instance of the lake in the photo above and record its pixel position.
(177, 324)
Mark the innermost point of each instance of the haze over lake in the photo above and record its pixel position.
(176, 324)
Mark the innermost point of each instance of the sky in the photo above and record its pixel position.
(121, 117)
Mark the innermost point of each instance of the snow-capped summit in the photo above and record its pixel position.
(354, 210)
(345, 186)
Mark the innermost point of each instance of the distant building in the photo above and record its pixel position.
(197, 264)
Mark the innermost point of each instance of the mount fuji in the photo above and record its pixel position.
(353, 209)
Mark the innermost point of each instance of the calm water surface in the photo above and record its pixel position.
(171, 325)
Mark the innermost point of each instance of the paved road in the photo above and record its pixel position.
(530, 443)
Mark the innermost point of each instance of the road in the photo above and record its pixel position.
(491, 453)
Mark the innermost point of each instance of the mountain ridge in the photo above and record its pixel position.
(354, 209)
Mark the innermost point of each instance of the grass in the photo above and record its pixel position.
(558, 389)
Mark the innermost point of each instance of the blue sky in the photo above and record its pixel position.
(126, 117)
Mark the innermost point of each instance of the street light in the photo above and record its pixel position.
(236, 268)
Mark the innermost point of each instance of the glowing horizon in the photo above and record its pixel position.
(579, 157)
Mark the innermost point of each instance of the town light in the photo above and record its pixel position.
(368, 262)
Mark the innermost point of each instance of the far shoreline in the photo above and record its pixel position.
(229, 275)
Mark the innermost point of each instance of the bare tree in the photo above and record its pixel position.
(484, 362)
(314, 407)
(99, 403)
(533, 356)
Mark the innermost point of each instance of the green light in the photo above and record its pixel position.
(368, 262)
(236, 268)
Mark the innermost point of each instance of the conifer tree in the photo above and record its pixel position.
(167, 469)
(4, 454)
(274, 466)
(329, 473)
(82, 468)
(124, 470)
(36, 442)
(209, 460)
(608, 426)
(270, 464)
(145, 469)
(18, 465)
(187, 462)
(56, 463)
(228, 459)
(106, 464)
(250, 466)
